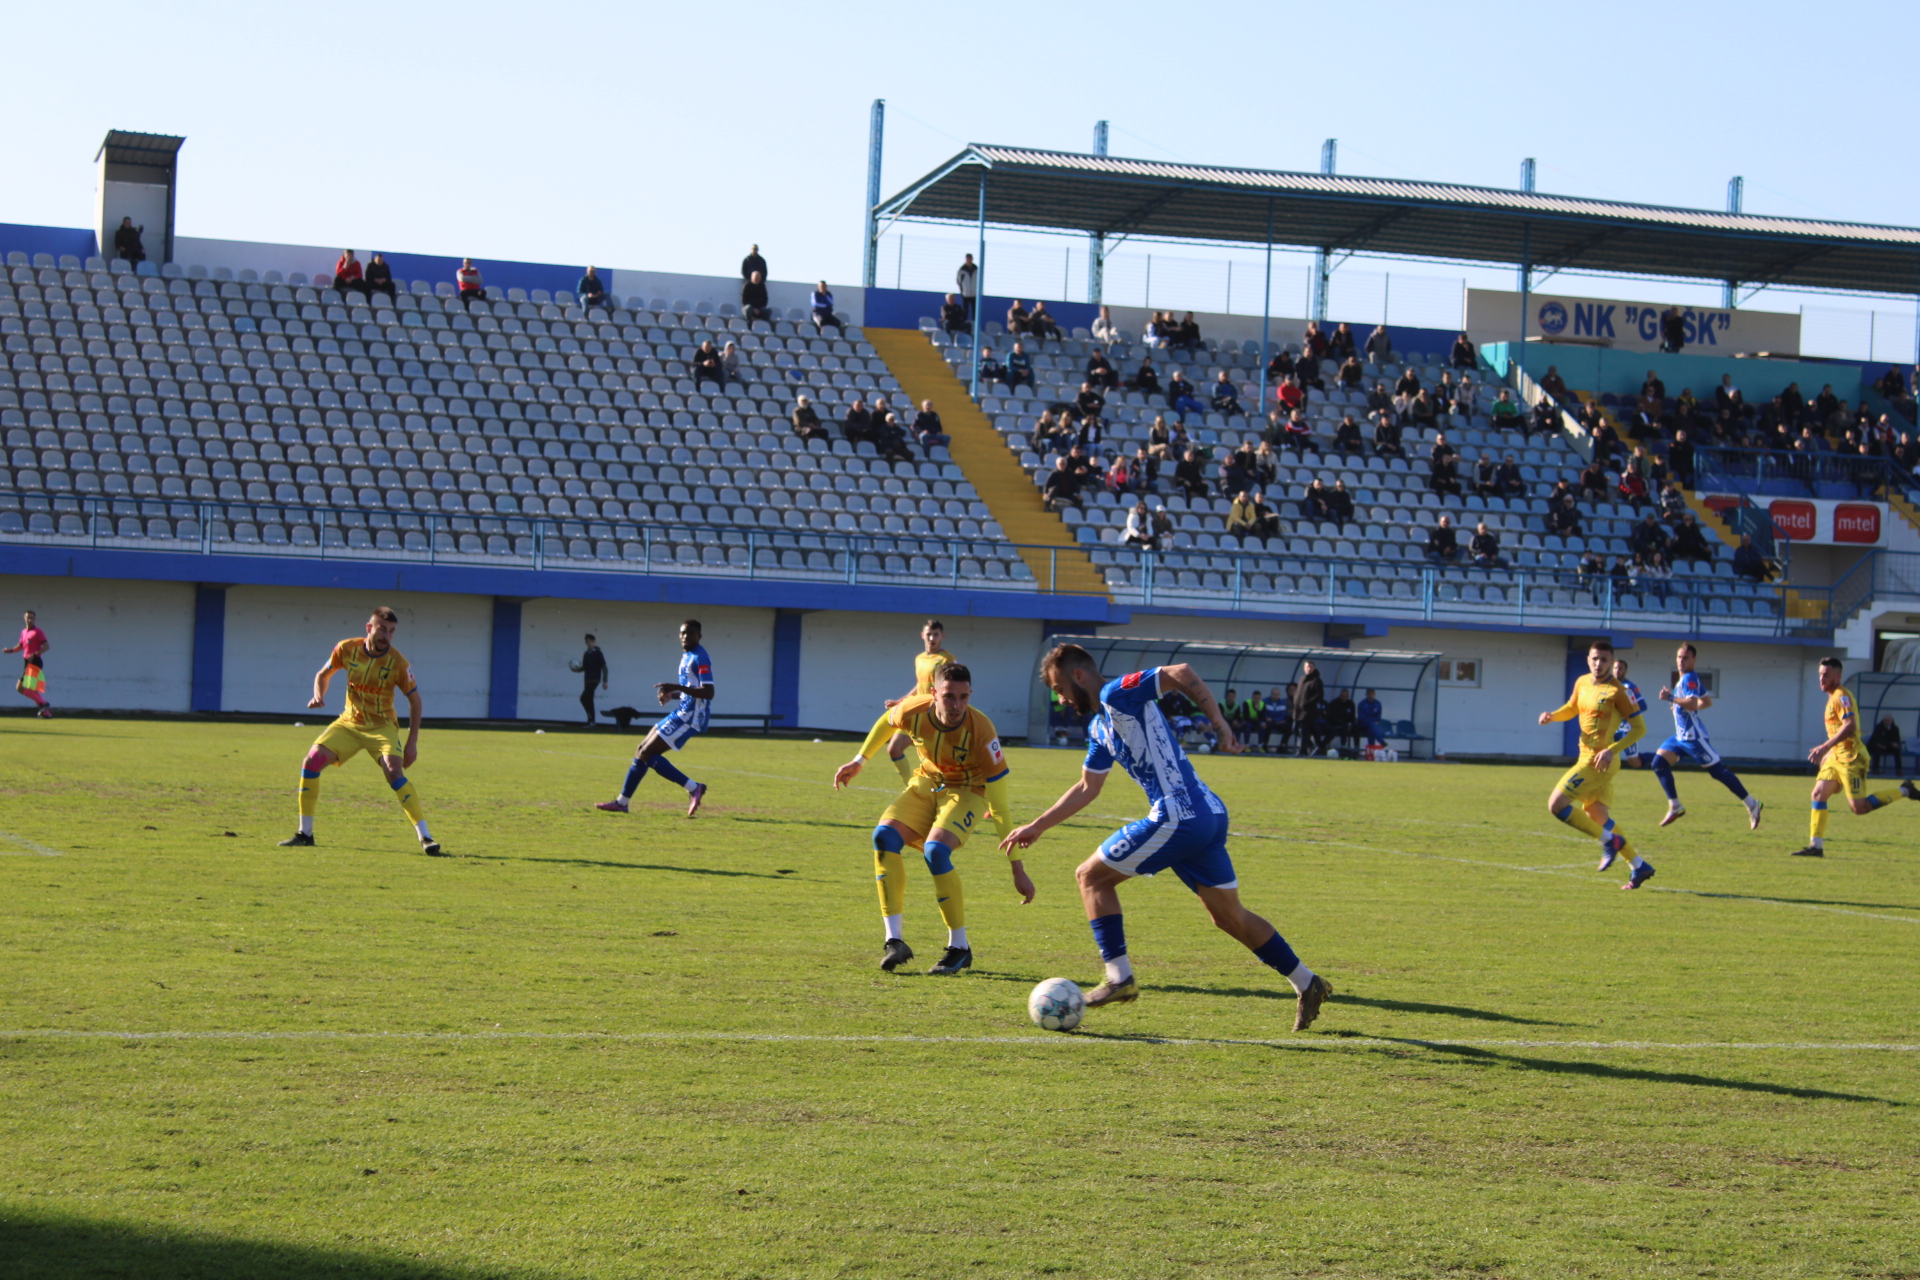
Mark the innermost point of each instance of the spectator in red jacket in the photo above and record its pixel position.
(470, 283)
(347, 275)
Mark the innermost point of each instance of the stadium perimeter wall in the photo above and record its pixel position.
(141, 645)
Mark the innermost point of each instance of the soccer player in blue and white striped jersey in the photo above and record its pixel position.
(1689, 698)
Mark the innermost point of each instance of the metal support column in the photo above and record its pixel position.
(1736, 196)
(1329, 151)
(1526, 185)
(870, 262)
(1097, 243)
(1526, 286)
(979, 290)
(1266, 314)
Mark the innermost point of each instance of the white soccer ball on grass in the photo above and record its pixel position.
(1056, 1005)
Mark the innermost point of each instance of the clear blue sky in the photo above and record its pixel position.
(671, 136)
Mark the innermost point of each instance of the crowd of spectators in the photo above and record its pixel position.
(1298, 720)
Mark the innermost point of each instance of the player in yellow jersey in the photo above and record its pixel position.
(1843, 762)
(961, 780)
(1584, 794)
(374, 670)
(933, 637)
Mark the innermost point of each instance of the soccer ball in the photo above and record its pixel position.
(1056, 1005)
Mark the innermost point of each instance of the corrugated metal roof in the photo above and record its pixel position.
(1394, 217)
(125, 147)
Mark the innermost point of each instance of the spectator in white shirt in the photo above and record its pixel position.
(1104, 329)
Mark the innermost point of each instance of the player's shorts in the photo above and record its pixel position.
(1586, 784)
(922, 808)
(1850, 774)
(348, 740)
(1195, 849)
(676, 727)
(1700, 753)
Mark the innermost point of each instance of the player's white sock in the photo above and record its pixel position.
(1119, 970)
(421, 827)
(1818, 842)
(306, 824)
(1638, 862)
(1301, 978)
(1752, 803)
(893, 927)
(692, 786)
(957, 937)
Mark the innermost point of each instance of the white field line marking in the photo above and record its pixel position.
(1568, 869)
(744, 773)
(28, 848)
(756, 1037)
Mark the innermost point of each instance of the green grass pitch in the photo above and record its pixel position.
(600, 1046)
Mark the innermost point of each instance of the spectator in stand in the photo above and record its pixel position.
(1306, 371)
(1158, 330)
(1139, 531)
(1146, 379)
(1091, 406)
(1040, 323)
(1484, 547)
(1443, 475)
(1441, 449)
(1352, 373)
(1062, 489)
(1424, 411)
(1051, 435)
(1463, 356)
(953, 315)
(1726, 395)
(1680, 458)
(1017, 318)
(1652, 576)
(1592, 570)
(1508, 477)
(1620, 578)
(1552, 384)
(1340, 504)
(1105, 331)
(1544, 421)
(729, 365)
(1281, 366)
(890, 438)
(1250, 517)
(1313, 342)
(126, 242)
(1748, 563)
(1379, 345)
(1506, 413)
(1379, 398)
(1265, 465)
(1226, 396)
(752, 263)
(1343, 727)
(1180, 396)
(1370, 714)
(1443, 544)
(1341, 345)
(1648, 537)
(991, 370)
(1673, 331)
(1386, 436)
(1119, 477)
(347, 275)
(1907, 452)
(1633, 488)
(1466, 400)
(1189, 475)
(1019, 366)
(1290, 395)
(471, 286)
(1486, 476)
(1160, 439)
(1315, 504)
(592, 292)
(1187, 336)
(1309, 707)
(1100, 371)
(927, 429)
(1297, 434)
(967, 281)
(1276, 719)
(1236, 470)
(706, 365)
(753, 299)
(1346, 436)
(1673, 504)
(1564, 518)
(858, 424)
(1885, 746)
(379, 277)
(1444, 393)
(1594, 485)
(806, 420)
(823, 316)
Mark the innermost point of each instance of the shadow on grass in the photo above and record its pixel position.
(630, 866)
(1805, 902)
(1395, 1006)
(1642, 1075)
(71, 1247)
(802, 822)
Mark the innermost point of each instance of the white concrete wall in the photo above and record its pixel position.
(277, 637)
(123, 646)
(642, 645)
(1520, 676)
(851, 663)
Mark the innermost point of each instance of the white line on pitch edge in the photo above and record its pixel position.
(757, 1037)
(28, 848)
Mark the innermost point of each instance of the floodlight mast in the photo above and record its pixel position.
(870, 264)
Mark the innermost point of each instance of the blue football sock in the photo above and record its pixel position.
(667, 771)
(637, 772)
(1664, 771)
(1110, 935)
(939, 857)
(1726, 778)
(887, 840)
(1277, 955)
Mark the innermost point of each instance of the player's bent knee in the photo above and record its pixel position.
(318, 759)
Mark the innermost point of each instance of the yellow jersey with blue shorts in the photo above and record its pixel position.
(962, 776)
(1845, 763)
(367, 723)
(1601, 708)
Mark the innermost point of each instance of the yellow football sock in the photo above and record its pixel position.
(309, 793)
(953, 902)
(1883, 798)
(890, 878)
(409, 801)
(905, 765)
(1626, 849)
(1818, 824)
(1580, 821)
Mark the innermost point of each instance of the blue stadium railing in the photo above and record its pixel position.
(1780, 473)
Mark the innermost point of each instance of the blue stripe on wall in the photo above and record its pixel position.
(503, 692)
(209, 647)
(785, 706)
(30, 240)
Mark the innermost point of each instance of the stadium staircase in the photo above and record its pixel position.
(997, 476)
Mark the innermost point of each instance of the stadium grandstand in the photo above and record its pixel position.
(207, 422)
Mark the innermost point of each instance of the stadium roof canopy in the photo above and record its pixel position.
(1111, 196)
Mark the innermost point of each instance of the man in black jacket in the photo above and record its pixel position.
(1340, 504)
(753, 298)
(1189, 476)
(953, 315)
(1485, 548)
(126, 242)
(1443, 544)
(1309, 710)
(1690, 542)
(753, 263)
(593, 664)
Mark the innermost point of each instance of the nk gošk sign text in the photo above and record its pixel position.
(1493, 316)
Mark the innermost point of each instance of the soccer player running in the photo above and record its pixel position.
(695, 688)
(1628, 758)
(933, 637)
(375, 669)
(1584, 794)
(1689, 698)
(1842, 761)
(962, 777)
(32, 683)
(1185, 828)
